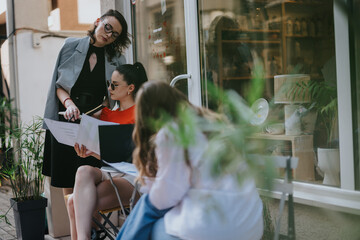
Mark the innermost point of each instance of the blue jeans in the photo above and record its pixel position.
(159, 233)
(140, 222)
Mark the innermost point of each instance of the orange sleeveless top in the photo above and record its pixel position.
(122, 117)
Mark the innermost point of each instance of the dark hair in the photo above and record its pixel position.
(122, 42)
(133, 74)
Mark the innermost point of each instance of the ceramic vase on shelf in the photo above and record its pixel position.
(329, 164)
(292, 119)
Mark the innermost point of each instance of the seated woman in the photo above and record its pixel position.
(93, 190)
(184, 200)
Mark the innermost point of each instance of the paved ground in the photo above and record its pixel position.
(312, 223)
(8, 232)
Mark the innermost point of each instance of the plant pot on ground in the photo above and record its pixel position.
(27, 180)
(29, 218)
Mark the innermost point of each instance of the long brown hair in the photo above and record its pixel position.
(153, 99)
(121, 42)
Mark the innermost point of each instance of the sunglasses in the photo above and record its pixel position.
(108, 29)
(112, 86)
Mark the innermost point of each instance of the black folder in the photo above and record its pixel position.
(116, 144)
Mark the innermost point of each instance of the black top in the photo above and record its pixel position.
(90, 88)
(61, 161)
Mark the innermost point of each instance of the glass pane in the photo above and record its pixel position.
(160, 39)
(291, 44)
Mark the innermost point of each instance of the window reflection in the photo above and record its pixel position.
(292, 43)
(160, 39)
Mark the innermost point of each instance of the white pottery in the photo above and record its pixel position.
(329, 164)
(292, 120)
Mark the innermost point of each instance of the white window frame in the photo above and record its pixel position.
(125, 8)
(342, 53)
(192, 51)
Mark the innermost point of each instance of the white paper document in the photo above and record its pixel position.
(86, 133)
(64, 132)
(123, 167)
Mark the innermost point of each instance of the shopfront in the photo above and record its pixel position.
(306, 52)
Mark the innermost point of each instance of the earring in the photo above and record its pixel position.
(128, 93)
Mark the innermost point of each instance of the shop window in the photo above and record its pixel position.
(292, 43)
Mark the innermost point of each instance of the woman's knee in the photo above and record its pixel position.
(70, 203)
(85, 174)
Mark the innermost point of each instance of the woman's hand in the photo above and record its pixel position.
(72, 112)
(83, 152)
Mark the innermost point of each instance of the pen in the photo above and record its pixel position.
(70, 118)
(63, 113)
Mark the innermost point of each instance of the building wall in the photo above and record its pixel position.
(31, 14)
(34, 65)
(35, 68)
(69, 10)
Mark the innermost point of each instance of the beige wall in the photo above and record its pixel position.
(33, 66)
(69, 16)
(31, 14)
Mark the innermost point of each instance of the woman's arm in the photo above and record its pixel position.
(173, 176)
(72, 112)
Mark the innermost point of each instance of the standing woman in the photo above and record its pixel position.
(79, 85)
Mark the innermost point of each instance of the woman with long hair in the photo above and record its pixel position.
(182, 199)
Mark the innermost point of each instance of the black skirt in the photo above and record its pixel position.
(61, 162)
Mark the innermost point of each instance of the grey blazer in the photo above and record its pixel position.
(67, 70)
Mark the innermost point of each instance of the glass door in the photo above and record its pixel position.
(167, 49)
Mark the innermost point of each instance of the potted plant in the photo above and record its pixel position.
(26, 179)
(324, 103)
(6, 113)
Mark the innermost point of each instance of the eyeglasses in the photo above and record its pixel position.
(108, 29)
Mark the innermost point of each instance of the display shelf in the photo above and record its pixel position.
(270, 43)
(303, 36)
(243, 78)
(251, 30)
(253, 41)
(305, 3)
(301, 147)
